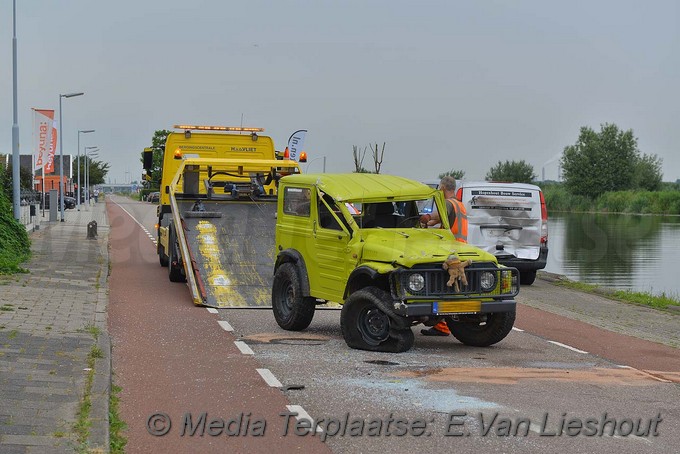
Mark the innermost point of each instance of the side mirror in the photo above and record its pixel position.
(148, 159)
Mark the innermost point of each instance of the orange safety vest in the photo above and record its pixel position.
(460, 224)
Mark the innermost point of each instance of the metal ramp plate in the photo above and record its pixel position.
(233, 253)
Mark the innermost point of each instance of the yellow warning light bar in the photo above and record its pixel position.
(217, 128)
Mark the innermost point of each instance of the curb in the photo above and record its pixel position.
(101, 385)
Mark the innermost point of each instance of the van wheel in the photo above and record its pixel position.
(175, 271)
(527, 277)
(292, 311)
(486, 330)
(367, 323)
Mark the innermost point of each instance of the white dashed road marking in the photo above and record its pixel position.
(302, 414)
(268, 377)
(225, 325)
(212, 310)
(517, 329)
(568, 347)
(243, 347)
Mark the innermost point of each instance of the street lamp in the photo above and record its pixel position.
(320, 157)
(90, 152)
(16, 157)
(85, 131)
(61, 153)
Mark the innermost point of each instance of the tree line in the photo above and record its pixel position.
(598, 162)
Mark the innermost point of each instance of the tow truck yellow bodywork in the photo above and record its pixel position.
(216, 214)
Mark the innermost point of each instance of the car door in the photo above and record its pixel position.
(330, 245)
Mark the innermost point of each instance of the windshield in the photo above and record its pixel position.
(390, 215)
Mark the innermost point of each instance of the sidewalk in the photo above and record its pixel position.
(50, 320)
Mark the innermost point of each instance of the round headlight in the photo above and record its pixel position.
(487, 280)
(416, 282)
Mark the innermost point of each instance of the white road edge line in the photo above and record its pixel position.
(225, 325)
(302, 414)
(243, 347)
(133, 218)
(568, 347)
(268, 377)
(212, 310)
(517, 329)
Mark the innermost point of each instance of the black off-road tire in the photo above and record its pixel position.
(292, 311)
(175, 271)
(527, 277)
(368, 324)
(497, 326)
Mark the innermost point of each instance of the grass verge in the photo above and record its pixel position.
(117, 441)
(662, 301)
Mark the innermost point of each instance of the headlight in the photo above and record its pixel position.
(416, 282)
(487, 280)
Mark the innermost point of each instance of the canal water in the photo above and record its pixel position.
(627, 252)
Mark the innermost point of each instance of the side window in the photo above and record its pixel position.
(326, 219)
(296, 201)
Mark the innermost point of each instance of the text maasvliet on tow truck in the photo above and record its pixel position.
(216, 215)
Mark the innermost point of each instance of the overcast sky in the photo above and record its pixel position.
(446, 84)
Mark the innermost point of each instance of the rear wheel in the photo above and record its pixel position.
(482, 330)
(527, 277)
(367, 323)
(175, 271)
(292, 311)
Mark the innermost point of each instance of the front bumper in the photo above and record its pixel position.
(526, 264)
(438, 308)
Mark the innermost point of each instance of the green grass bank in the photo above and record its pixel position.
(15, 247)
(666, 202)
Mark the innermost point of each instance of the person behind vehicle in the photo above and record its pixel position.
(458, 221)
(454, 208)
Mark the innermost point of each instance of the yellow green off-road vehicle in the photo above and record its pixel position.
(356, 239)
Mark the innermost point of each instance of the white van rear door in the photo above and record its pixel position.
(504, 221)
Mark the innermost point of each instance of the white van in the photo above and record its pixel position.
(509, 220)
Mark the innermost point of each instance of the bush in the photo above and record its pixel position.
(15, 247)
(557, 198)
(614, 202)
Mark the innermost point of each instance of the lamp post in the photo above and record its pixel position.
(310, 162)
(16, 161)
(61, 154)
(85, 131)
(89, 153)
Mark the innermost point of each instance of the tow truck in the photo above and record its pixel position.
(216, 216)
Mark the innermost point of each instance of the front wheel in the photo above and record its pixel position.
(482, 330)
(367, 324)
(292, 311)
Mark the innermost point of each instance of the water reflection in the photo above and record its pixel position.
(619, 251)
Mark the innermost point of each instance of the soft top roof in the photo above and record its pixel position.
(364, 186)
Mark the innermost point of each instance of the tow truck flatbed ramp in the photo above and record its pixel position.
(232, 251)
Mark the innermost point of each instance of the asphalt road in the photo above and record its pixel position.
(553, 385)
